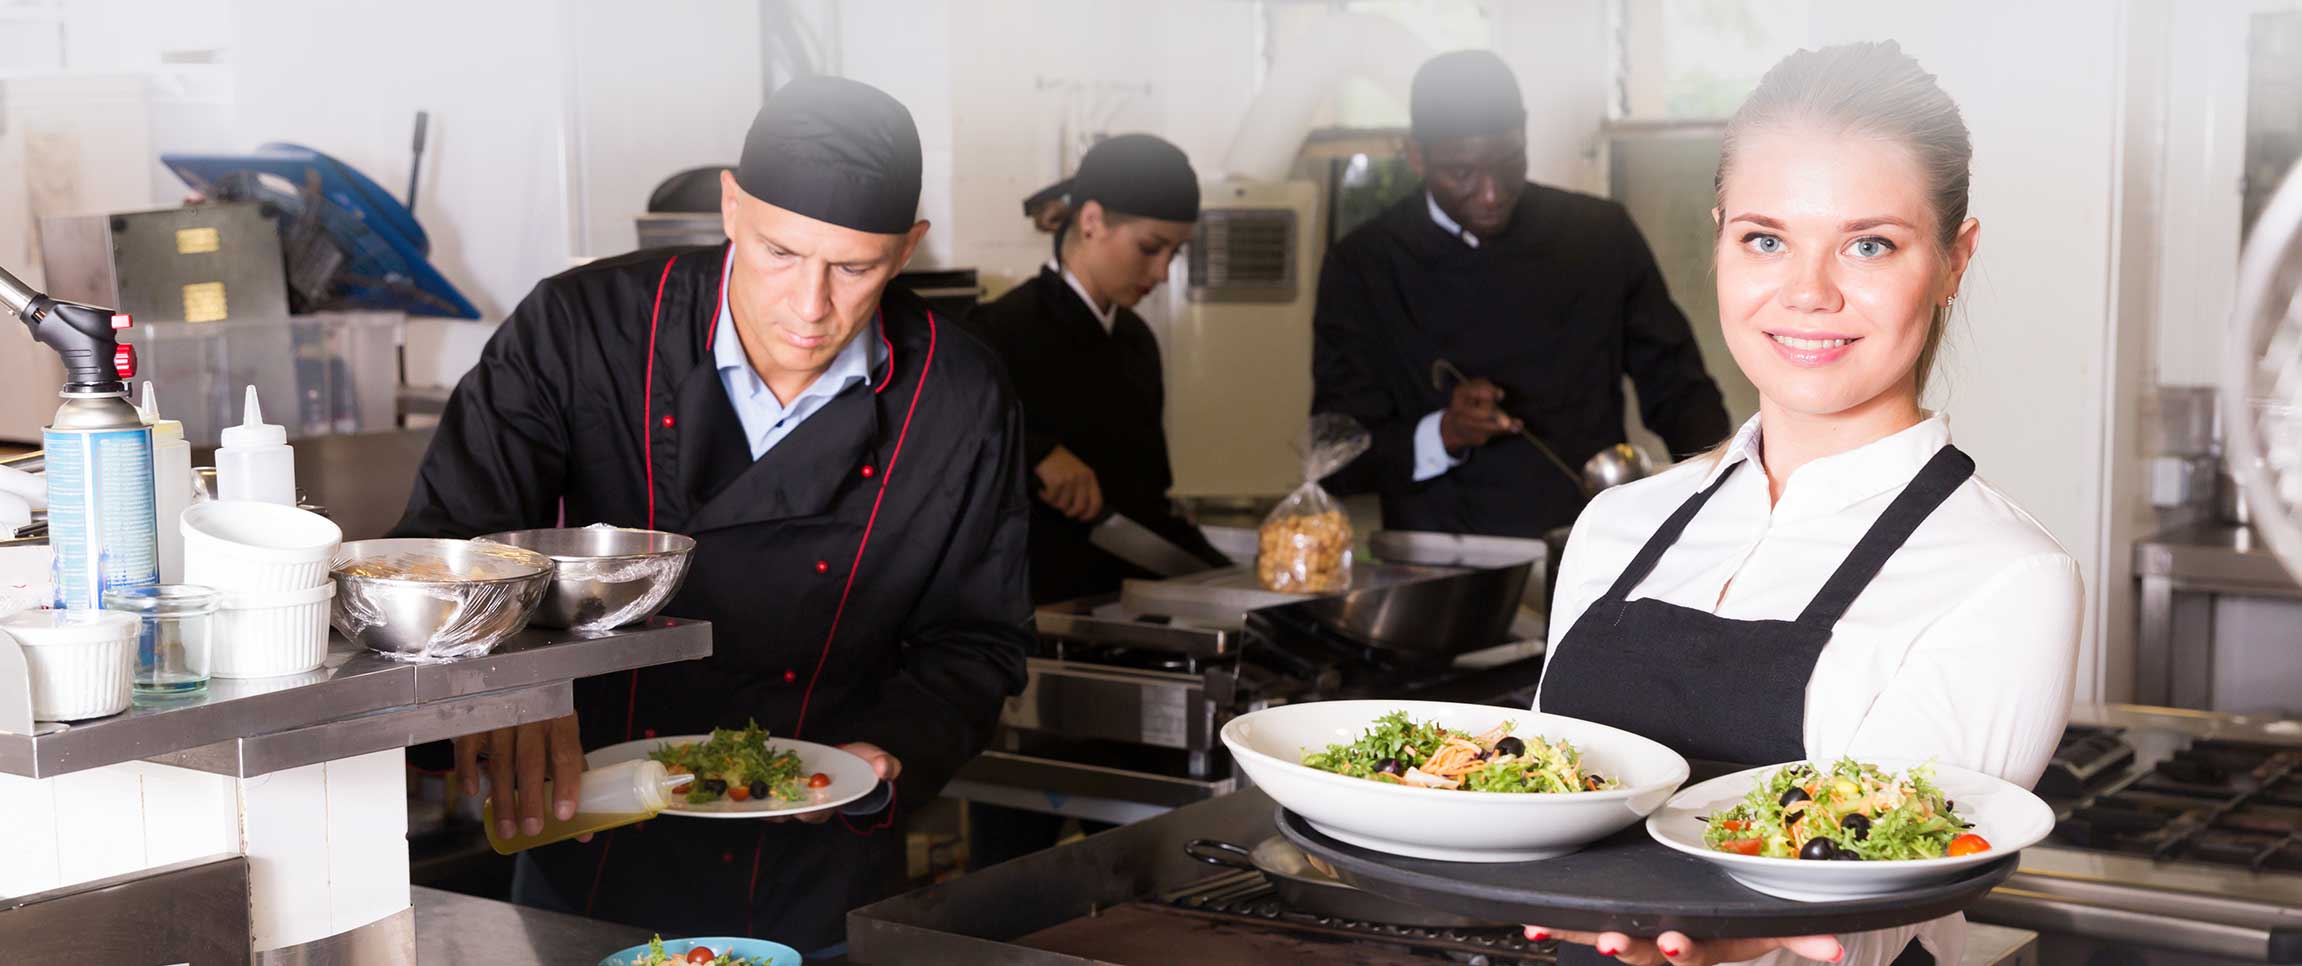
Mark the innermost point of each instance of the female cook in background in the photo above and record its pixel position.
(1086, 368)
(1834, 580)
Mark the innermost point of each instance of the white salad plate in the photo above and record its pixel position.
(2009, 817)
(851, 778)
(1447, 824)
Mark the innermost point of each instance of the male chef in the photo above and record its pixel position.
(850, 466)
(1538, 301)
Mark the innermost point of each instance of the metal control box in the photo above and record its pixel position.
(201, 263)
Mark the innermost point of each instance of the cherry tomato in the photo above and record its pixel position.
(739, 793)
(1732, 825)
(819, 780)
(1967, 844)
(1743, 846)
(700, 954)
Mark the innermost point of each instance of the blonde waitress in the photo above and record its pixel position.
(1836, 580)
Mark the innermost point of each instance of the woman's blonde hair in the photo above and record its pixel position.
(1868, 90)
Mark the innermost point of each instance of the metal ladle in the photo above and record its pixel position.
(1612, 466)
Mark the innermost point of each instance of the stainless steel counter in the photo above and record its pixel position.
(977, 919)
(357, 703)
(2180, 572)
(453, 929)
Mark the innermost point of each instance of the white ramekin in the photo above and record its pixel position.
(80, 661)
(261, 635)
(241, 546)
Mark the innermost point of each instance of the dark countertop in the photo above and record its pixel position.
(453, 929)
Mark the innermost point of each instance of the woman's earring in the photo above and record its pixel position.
(1949, 301)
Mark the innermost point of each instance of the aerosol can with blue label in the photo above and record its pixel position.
(101, 524)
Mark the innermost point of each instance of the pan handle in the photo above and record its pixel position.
(1218, 852)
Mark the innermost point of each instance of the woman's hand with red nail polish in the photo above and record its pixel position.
(1678, 949)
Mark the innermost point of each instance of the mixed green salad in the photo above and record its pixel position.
(697, 956)
(1851, 812)
(1398, 750)
(737, 764)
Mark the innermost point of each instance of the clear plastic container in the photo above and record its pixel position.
(612, 796)
(334, 372)
(177, 640)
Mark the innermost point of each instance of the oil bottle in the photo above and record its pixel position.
(612, 796)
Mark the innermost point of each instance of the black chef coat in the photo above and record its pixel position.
(1555, 311)
(865, 579)
(1100, 395)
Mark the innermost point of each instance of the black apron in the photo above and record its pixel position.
(1727, 694)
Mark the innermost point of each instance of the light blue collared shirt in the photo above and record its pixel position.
(1431, 459)
(767, 420)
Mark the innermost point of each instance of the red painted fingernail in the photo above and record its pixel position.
(1671, 951)
(1608, 950)
(1536, 935)
(1838, 954)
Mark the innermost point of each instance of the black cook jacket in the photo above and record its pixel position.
(1556, 311)
(1100, 395)
(865, 579)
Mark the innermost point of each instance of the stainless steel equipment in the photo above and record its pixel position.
(604, 576)
(1137, 544)
(435, 599)
(1614, 466)
(199, 263)
(1301, 883)
(1132, 896)
(1127, 694)
(2181, 572)
(2178, 839)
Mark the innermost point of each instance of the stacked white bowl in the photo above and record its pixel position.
(270, 563)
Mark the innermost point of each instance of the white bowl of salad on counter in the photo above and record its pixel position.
(1456, 782)
(1819, 831)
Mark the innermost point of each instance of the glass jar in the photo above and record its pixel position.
(174, 645)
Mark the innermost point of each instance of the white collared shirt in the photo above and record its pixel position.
(1439, 218)
(1108, 315)
(1962, 650)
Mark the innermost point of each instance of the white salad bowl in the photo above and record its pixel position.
(2009, 817)
(1447, 824)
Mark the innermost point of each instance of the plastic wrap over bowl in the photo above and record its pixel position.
(606, 576)
(435, 600)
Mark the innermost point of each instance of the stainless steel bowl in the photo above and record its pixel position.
(608, 576)
(435, 600)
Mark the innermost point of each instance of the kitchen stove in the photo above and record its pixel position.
(2178, 835)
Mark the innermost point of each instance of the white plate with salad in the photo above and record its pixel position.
(747, 773)
(707, 951)
(1820, 831)
(1456, 782)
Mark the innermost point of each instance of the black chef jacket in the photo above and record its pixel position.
(1100, 395)
(1555, 311)
(865, 579)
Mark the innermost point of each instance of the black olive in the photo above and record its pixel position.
(1389, 766)
(759, 790)
(1594, 782)
(1857, 823)
(1795, 794)
(1848, 855)
(1949, 806)
(715, 786)
(1821, 849)
(1510, 745)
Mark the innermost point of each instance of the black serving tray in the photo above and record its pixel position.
(1631, 884)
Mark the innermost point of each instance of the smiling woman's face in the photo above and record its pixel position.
(1830, 269)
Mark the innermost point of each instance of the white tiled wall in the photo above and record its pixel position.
(326, 844)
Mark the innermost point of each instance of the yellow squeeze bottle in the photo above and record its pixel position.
(616, 795)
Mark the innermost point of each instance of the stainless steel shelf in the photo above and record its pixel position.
(2180, 572)
(357, 703)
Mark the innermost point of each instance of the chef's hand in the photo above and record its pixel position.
(1474, 416)
(519, 760)
(882, 764)
(1676, 949)
(1069, 485)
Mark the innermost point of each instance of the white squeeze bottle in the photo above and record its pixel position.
(171, 485)
(255, 461)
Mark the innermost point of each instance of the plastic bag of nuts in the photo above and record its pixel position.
(1305, 544)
